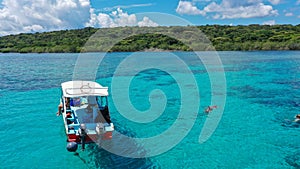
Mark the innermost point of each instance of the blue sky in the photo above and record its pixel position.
(17, 16)
(281, 8)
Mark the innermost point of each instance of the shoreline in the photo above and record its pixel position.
(148, 51)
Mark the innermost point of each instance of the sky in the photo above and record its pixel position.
(29, 16)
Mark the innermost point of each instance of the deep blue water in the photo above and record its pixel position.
(255, 131)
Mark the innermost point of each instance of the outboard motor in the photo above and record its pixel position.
(72, 146)
(100, 128)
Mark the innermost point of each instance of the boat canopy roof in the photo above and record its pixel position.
(83, 88)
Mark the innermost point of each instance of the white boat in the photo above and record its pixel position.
(86, 117)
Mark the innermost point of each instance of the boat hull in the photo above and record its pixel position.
(91, 138)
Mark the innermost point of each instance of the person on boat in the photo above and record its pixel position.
(67, 103)
(297, 118)
(82, 133)
(60, 106)
(209, 109)
(69, 115)
(75, 101)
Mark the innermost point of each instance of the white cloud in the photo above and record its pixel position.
(186, 7)
(127, 6)
(33, 28)
(298, 2)
(146, 22)
(270, 22)
(274, 2)
(93, 18)
(289, 14)
(231, 12)
(118, 18)
(104, 20)
(23, 16)
(42, 15)
(230, 9)
(123, 19)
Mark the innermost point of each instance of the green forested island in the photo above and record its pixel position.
(222, 38)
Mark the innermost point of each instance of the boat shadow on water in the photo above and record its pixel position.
(95, 156)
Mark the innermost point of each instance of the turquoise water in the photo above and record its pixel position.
(255, 131)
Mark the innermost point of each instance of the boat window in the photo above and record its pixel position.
(102, 101)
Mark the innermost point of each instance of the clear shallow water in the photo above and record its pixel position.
(255, 131)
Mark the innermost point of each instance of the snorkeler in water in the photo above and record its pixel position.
(297, 118)
(209, 109)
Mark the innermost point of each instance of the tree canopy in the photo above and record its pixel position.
(222, 38)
